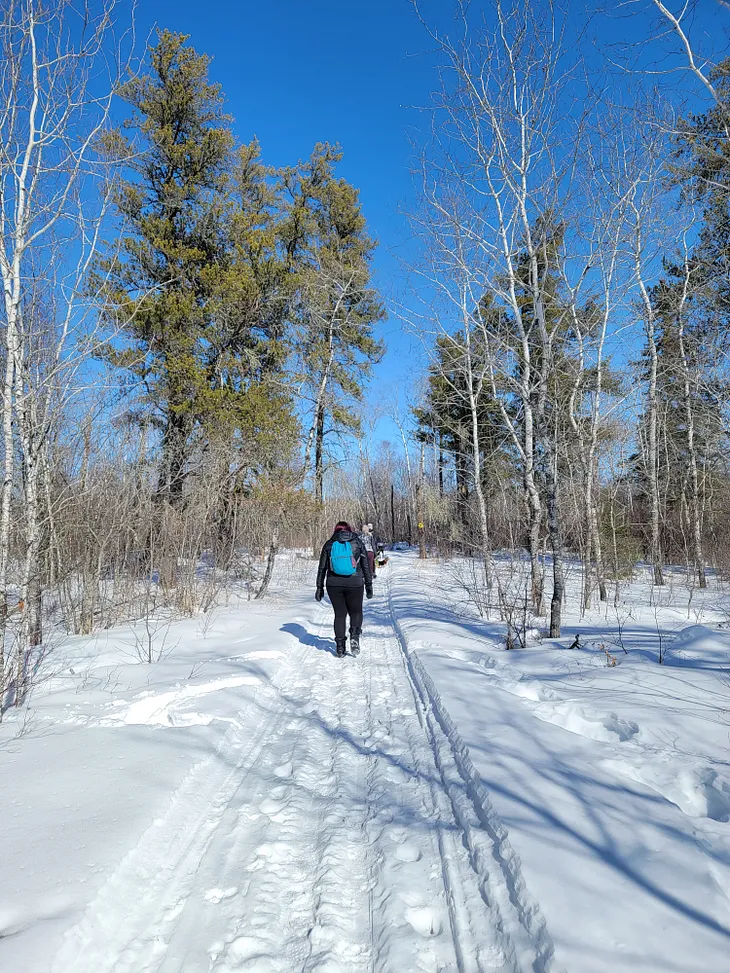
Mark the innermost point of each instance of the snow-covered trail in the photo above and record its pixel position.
(338, 827)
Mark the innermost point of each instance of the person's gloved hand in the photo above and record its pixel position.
(369, 592)
(319, 594)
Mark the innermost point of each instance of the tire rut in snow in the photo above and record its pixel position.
(261, 859)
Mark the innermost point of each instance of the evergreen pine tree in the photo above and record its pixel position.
(338, 307)
(201, 280)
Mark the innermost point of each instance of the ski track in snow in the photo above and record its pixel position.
(123, 927)
(345, 831)
(522, 939)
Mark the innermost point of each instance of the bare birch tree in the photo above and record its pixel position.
(61, 63)
(507, 150)
(694, 64)
(617, 164)
(689, 384)
(646, 245)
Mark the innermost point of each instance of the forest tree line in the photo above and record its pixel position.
(188, 330)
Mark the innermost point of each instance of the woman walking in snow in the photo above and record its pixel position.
(344, 568)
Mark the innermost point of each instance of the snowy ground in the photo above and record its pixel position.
(252, 803)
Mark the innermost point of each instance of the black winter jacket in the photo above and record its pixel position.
(362, 575)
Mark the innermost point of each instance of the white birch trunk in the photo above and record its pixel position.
(473, 396)
(53, 109)
(652, 450)
(695, 511)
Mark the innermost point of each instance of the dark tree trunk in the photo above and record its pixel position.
(270, 561)
(462, 489)
(319, 457)
(392, 514)
(556, 544)
(441, 468)
(174, 460)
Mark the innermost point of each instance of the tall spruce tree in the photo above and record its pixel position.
(445, 418)
(172, 204)
(338, 306)
(248, 344)
(201, 281)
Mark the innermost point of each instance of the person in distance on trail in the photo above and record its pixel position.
(344, 567)
(367, 539)
(377, 541)
(380, 559)
(373, 545)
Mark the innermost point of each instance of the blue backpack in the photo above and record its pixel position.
(341, 560)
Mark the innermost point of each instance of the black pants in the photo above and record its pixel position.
(347, 601)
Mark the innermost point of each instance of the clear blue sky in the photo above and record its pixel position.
(296, 72)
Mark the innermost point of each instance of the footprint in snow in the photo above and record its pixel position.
(271, 808)
(424, 920)
(408, 852)
(248, 950)
(383, 816)
(274, 851)
(216, 896)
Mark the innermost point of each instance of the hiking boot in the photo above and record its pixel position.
(355, 643)
(340, 647)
